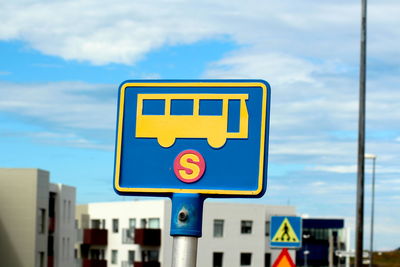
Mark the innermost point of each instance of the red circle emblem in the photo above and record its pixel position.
(189, 166)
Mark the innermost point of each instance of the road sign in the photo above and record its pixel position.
(208, 137)
(284, 259)
(286, 231)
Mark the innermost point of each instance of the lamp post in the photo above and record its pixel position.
(306, 251)
(361, 139)
(371, 243)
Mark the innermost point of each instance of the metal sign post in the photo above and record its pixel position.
(189, 140)
(186, 225)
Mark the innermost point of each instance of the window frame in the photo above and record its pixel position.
(114, 256)
(246, 229)
(242, 258)
(218, 223)
(214, 263)
(115, 225)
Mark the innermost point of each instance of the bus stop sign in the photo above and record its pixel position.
(206, 137)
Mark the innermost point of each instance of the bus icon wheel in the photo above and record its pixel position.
(166, 141)
(216, 142)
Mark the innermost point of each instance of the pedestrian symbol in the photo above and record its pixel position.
(285, 231)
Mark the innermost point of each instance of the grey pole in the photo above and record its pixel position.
(361, 140)
(184, 251)
(371, 243)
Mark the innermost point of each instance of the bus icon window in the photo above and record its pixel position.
(201, 123)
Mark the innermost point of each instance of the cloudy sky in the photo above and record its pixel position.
(62, 61)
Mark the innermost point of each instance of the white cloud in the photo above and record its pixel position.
(123, 31)
(277, 68)
(337, 169)
(67, 139)
(66, 104)
(353, 169)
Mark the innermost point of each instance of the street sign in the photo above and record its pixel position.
(207, 137)
(286, 231)
(284, 259)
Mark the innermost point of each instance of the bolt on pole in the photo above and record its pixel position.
(361, 139)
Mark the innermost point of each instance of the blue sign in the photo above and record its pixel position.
(286, 231)
(206, 137)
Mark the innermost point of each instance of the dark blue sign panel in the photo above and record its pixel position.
(207, 137)
(286, 231)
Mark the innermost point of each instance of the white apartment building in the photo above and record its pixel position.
(136, 233)
(36, 220)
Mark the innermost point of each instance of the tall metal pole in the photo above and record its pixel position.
(371, 243)
(361, 140)
(186, 225)
(184, 251)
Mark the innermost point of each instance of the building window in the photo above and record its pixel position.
(132, 223)
(69, 210)
(115, 225)
(67, 248)
(95, 224)
(64, 210)
(153, 255)
(267, 260)
(143, 223)
(131, 256)
(96, 254)
(218, 228)
(154, 223)
(63, 248)
(41, 259)
(217, 259)
(246, 227)
(114, 256)
(245, 259)
(267, 226)
(42, 221)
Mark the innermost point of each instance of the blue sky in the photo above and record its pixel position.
(61, 63)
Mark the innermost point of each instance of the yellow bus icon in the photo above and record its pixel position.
(167, 127)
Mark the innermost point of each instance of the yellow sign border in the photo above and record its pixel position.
(189, 84)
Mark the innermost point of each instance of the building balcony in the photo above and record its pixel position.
(50, 261)
(52, 224)
(94, 263)
(148, 237)
(95, 237)
(147, 264)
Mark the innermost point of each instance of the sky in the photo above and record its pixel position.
(61, 63)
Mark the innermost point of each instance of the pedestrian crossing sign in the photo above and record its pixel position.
(286, 231)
